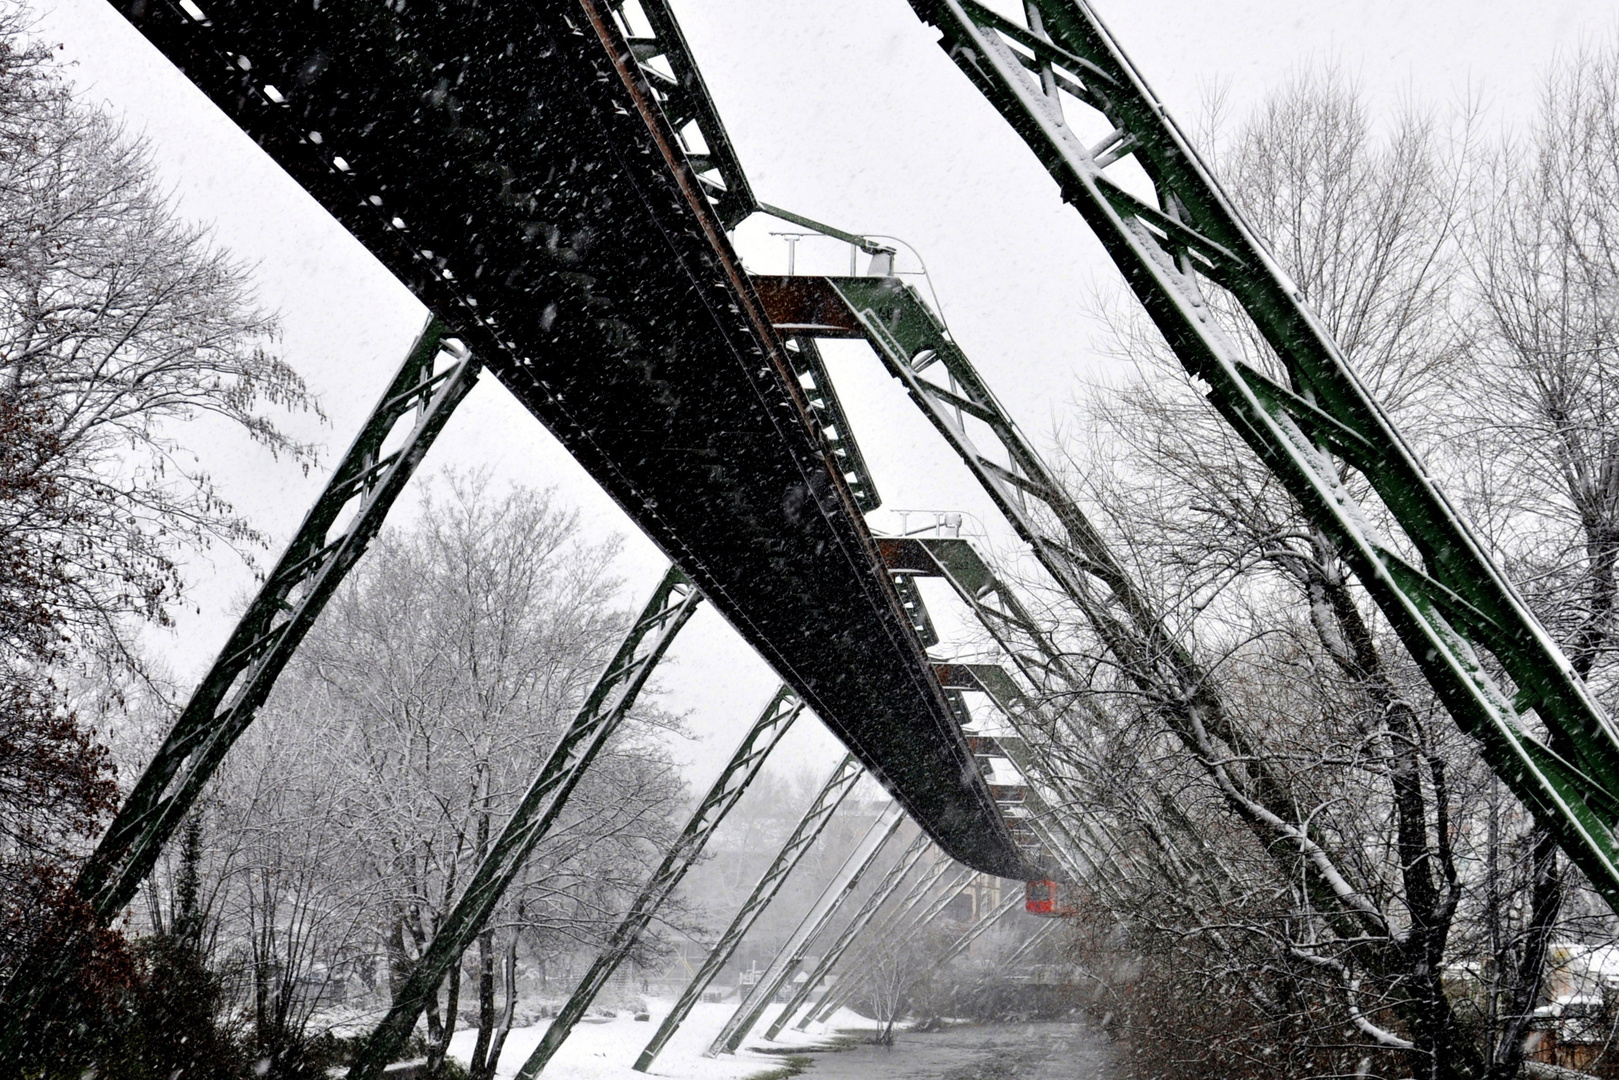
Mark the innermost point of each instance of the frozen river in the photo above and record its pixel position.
(1038, 1051)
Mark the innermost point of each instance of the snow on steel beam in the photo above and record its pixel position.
(659, 46)
(672, 605)
(1060, 71)
(761, 738)
(511, 165)
(797, 845)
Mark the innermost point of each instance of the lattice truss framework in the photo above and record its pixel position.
(1060, 80)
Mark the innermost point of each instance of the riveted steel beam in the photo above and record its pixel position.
(659, 47)
(511, 164)
(672, 605)
(798, 844)
(739, 772)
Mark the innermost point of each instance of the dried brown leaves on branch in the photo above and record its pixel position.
(119, 324)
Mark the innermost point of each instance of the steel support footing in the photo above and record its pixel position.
(734, 779)
(649, 637)
(1309, 418)
(856, 925)
(798, 844)
(791, 954)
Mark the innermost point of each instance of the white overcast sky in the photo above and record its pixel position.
(844, 110)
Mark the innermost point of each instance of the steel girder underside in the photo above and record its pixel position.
(508, 164)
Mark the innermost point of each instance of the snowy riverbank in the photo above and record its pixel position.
(606, 1049)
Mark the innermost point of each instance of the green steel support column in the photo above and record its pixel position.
(868, 911)
(954, 888)
(884, 930)
(809, 828)
(744, 765)
(432, 381)
(791, 954)
(1308, 417)
(670, 608)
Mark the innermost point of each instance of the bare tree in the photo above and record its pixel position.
(118, 323)
(412, 720)
(1310, 842)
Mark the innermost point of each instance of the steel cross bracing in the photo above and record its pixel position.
(822, 912)
(827, 411)
(434, 378)
(869, 910)
(665, 60)
(844, 989)
(1311, 422)
(773, 723)
(393, 440)
(797, 845)
(672, 605)
(1038, 659)
(1043, 666)
(513, 167)
(1033, 754)
(885, 930)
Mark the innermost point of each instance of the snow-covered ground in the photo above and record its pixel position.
(605, 1049)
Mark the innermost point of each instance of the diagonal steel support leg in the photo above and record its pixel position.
(671, 606)
(976, 931)
(883, 931)
(846, 937)
(902, 932)
(431, 382)
(766, 732)
(824, 910)
(798, 844)
(1302, 409)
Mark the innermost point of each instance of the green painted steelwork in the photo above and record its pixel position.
(798, 844)
(857, 923)
(649, 637)
(734, 779)
(422, 395)
(1311, 421)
